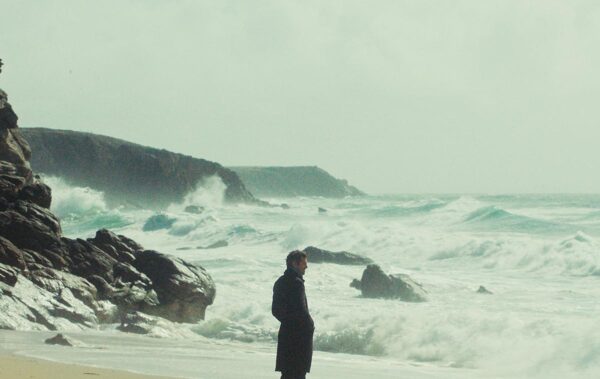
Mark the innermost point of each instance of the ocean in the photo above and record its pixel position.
(539, 255)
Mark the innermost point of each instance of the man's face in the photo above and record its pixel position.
(301, 265)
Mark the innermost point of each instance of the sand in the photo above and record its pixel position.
(13, 367)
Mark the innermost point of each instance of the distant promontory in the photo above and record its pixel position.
(126, 172)
(294, 181)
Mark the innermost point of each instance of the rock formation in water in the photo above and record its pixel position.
(375, 283)
(294, 181)
(316, 255)
(48, 281)
(126, 172)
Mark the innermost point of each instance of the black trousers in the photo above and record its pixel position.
(292, 375)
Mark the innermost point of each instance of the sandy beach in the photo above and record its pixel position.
(12, 367)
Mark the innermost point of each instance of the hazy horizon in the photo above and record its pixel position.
(394, 96)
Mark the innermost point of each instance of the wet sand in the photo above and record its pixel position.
(13, 367)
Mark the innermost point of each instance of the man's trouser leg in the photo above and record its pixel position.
(292, 375)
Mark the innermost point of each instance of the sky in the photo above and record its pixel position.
(495, 96)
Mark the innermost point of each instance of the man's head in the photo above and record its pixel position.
(297, 260)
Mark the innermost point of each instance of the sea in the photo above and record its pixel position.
(538, 255)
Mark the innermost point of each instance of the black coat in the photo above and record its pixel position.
(295, 340)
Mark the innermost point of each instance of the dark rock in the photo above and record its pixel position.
(8, 274)
(158, 222)
(60, 339)
(117, 246)
(129, 274)
(10, 183)
(216, 245)
(484, 291)
(14, 149)
(37, 193)
(316, 255)
(35, 260)
(284, 206)
(27, 233)
(194, 209)
(375, 283)
(138, 323)
(322, 210)
(87, 260)
(11, 255)
(184, 290)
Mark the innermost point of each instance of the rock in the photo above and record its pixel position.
(56, 281)
(117, 246)
(184, 290)
(484, 291)
(375, 283)
(11, 255)
(284, 206)
(322, 210)
(37, 193)
(316, 255)
(158, 222)
(194, 209)
(61, 339)
(87, 260)
(8, 274)
(27, 232)
(288, 182)
(14, 149)
(216, 245)
(138, 323)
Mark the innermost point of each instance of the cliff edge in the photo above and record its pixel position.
(124, 171)
(294, 181)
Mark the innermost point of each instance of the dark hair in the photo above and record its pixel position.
(294, 256)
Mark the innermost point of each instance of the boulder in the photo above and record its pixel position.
(316, 255)
(184, 290)
(11, 255)
(194, 209)
(63, 340)
(484, 291)
(376, 284)
(216, 245)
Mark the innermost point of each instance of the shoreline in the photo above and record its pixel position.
(19, 366)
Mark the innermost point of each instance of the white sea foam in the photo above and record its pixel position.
(70, 200)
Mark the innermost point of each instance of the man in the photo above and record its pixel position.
(295, 340)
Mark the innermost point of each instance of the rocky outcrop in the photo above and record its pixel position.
(316, 255)
(48, 281)
(375, 283)
(126, 172)
(294, 181)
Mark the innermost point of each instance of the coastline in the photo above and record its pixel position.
(15, 366)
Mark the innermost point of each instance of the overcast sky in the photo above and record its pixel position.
(395, 96)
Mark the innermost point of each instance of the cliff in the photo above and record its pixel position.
(294, 181)
(50, 282)
(124, 171)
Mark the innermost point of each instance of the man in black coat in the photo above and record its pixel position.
(295, 340)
